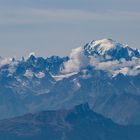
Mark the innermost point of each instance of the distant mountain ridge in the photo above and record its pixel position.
(79, 123)
(104, 73)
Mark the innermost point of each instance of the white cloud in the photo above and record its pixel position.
(77, 61)
(115, 67)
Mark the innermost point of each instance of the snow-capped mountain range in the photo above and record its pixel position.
(104, 73)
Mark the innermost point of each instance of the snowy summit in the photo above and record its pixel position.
(111, 49)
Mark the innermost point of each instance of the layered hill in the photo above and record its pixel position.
(79, 123)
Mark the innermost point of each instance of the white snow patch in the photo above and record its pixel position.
(32, 53)
(61, 77)
(29, 74)
(123, 71)
(76, 82)
(40, 75)
(103, 45)
(85, 74)
(5, 61)
(41, 92)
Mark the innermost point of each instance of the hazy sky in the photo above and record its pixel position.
(49, 27)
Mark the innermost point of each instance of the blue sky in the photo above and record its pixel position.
(54, 27)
